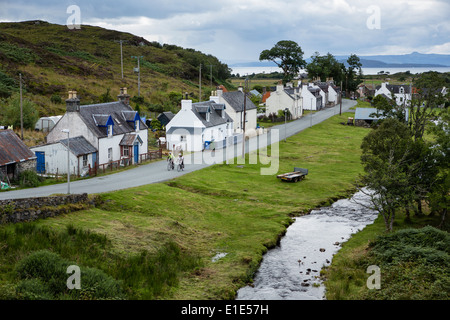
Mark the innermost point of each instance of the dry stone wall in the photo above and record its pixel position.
(21, 210)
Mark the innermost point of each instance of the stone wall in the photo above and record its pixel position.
(21, 210)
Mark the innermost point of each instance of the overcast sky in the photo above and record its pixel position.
(239, 30)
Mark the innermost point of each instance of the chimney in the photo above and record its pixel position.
(219, 91)
(214, 97)
(124, 96)
(73, 103)
(186, 104)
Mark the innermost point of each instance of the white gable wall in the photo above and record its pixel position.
(56, 159)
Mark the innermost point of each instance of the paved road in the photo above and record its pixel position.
(157, 171)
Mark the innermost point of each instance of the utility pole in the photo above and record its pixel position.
(121, 54)
(121, 58)
(21, 107)
(340, 108)
(139, 73)
(243, 123)
(210, 80)
(200, 84)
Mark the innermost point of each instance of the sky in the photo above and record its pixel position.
(237, 31)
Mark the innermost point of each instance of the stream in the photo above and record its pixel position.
(291, 270)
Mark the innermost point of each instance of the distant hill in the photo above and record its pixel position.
(411, 60)
(53, 60)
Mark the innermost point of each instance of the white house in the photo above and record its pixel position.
(285, 97)
(400, 93)
(113, 128)
(54, 155)
(198, 125)
(312, 99)
(234, 107)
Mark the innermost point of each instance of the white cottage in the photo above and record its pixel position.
(234, 107)
(113, 128)
(52, 157)
(198, 125)
(400, 93)
(312, 99)
(285, 97)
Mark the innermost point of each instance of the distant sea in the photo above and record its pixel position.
(367, 71)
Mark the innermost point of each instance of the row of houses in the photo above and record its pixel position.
(314, 96)
(401, 94)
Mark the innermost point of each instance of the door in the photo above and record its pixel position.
(94, 159)
(136, 152)
(40, 162)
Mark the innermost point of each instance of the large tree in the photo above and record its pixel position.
(353, 73)
(385, 155)
(324, 67)
(288, 56)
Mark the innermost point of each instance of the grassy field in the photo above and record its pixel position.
(226, 208)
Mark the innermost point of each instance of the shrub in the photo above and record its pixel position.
(29, 178)
(33, 289)
(44, 275)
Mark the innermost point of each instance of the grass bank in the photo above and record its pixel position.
(413, 262)
(180, 226)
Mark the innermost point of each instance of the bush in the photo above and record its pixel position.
(428, 244)
(29, 178)
(33, 289)
(44, 276)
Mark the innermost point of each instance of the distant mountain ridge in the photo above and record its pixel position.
(415, 59)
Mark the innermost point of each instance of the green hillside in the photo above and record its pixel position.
(53, 60)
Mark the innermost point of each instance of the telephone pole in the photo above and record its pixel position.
(200, 84)
(21, 107)
(243, 123)
(210, 66)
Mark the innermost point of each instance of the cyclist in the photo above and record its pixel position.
(181, 160)
(170, 158)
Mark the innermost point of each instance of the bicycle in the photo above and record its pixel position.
(170, 165)
(180, 166)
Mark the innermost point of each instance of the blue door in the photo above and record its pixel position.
(136, 152)
(94, 159)
(40, 162)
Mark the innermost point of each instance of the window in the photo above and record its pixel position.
(182, 138)
(126, 151)
(85, 160)
(109, 154)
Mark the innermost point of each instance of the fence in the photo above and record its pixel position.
(124, 162)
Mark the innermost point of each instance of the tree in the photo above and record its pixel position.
(10, 114)
(288, 56)
(325, 67)
(385, 155)
(353, 73)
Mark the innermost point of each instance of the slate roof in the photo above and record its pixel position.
(396, 88)
(236, 101)
(79, 146)
(12, 149)
(97, 114)
(215, 113)
(129, 139)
